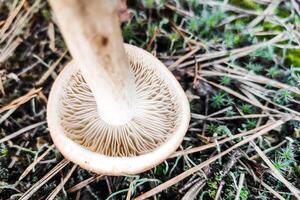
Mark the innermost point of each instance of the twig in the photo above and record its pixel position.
(61, 185)
(240, 186)
(180, 11)
(6, 115)
(23, 130)
(27, 195)
(194, 190)
(21, 100)
(84, 183)
(218, 194)
(183, 58)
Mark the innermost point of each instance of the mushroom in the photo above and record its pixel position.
(115, 109)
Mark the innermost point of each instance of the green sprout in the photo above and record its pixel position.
(266, 53)
(213, 187)
(250, 124)
(210, 19)
(212, 128)
(283, 96)
(274, 72)
(173, 37)
(218, 100)
(4, 152)
(194, 24)
(254, 67)
(223, 130)
(281, 165)
(148, 3)
(225, 80)
(229, 113)
(247, 108)
(244, 194)
(231, 39)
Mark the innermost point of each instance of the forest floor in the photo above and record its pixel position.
(238, 62)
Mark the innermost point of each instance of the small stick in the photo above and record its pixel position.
(21, 100)
(218, 195)
(240, 186)
(61, 185)
(23, 130)
(84, 183)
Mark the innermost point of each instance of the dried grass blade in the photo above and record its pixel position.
(21, 100)
(84, 183)
(11, 17)
(27, 195)
(61, 185)
(183, 58)
(23, 130)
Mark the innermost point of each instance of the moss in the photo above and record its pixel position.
(268, 26)
(293, 57)
(249, 4)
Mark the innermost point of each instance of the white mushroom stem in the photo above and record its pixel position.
(92, 32)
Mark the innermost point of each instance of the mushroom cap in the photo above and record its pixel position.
(159, 123)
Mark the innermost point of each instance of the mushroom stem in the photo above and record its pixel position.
(92, 32)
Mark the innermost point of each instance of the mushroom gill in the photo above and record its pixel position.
(154, 120)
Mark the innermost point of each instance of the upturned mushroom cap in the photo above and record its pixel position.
(160, 119)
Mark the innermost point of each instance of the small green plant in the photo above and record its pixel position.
(239, 25)
(212, 128)
(285, 158)
(274, 72)
(283, 96)
(225, 80)
(229, 100)
(213, 187)
(266, 53)
(254, 67)
(250, 124)
(247, 108)
(127, 31)
(230, 113)
(223, 130)
(148, 3)
(194, 24)
(244, 194)
(281, 165)
(231, 39)
(218, 100)
(4, 152)
(210, 19)
(173, 37)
